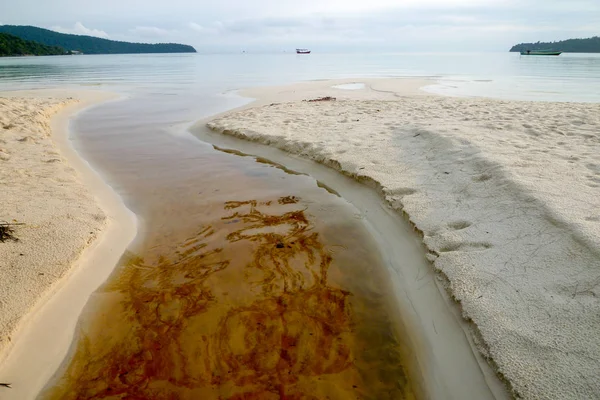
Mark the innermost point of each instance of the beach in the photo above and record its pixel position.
(68, 224)
(504, 195)
(164, 179)
(490, 288)
(175, 199)
(291, 231)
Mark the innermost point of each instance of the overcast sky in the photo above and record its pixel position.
(276, 25)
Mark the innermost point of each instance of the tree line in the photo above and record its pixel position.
(591, 45)
(90, 44)
(14, 46)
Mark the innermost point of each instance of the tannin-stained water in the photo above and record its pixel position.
(247, 282)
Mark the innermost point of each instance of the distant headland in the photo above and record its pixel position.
(77, 44)
(591, 45)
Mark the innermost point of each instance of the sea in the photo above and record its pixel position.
(568, 77)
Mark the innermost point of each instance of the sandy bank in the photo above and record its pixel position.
(75, 229)
(506, 195)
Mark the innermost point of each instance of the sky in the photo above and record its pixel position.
(321, 25)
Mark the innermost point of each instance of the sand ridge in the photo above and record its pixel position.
(40, 190)
(505, 194)
(82, 229)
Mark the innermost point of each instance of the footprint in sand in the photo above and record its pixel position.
(465, 246)
(459, 225)
(482, 178)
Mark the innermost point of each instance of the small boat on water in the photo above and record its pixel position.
(302, 51)
(541, 53)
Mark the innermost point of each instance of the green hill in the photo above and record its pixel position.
(14, 46)
(591, 45)
(90, 44)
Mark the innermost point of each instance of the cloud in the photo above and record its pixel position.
(387, 25)
(80, 29)
(152, 32)
(427, 25)
(209, 29)
(196, 27)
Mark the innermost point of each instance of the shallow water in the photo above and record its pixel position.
(246, 282)
(350, 86)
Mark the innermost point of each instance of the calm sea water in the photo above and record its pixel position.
(569, 77)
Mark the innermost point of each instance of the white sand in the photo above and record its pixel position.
(506, 195)
(40, 190)
(64, 211)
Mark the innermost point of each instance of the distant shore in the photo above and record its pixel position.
(74, 229)
(504, 193)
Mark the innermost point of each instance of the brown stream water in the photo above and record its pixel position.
(245, 282)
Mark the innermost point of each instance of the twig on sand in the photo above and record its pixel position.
(7, 385)
(327, 98)
(7, 231)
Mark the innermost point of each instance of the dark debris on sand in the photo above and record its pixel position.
(288, 200)
(327, 98)
(7, 231)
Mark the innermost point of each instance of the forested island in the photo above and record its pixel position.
(90, 44)
(591, 45)
(14, 46)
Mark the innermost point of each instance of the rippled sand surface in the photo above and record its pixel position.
(249, 283)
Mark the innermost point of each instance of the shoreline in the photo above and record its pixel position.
(45, 334)
(511, 342)
(426, 308)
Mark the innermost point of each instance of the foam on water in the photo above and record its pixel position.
(350, 86)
